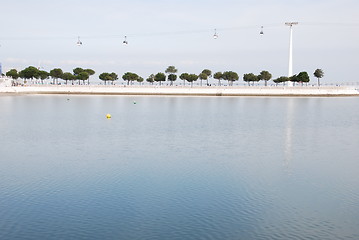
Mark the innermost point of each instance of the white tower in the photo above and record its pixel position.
(290, 64)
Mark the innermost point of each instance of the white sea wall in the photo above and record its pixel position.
(195, 91)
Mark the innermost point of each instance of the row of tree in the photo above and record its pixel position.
(229, 76)
(32, 73)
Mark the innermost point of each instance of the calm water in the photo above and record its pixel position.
(178, 168)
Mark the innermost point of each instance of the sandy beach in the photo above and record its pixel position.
(314, 91)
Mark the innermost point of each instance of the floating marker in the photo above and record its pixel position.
(134, 102)
(108, 116)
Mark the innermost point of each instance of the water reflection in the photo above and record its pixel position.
(288, 131)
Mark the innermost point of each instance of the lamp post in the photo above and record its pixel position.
(290, 64)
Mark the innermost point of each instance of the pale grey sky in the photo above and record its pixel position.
(162, 33)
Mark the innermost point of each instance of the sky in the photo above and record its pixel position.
(160, 33)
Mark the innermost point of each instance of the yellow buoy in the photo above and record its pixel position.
(108, 115)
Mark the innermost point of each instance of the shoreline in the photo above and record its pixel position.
(240, 91)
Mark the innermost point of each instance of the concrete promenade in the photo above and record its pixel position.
(314, 91)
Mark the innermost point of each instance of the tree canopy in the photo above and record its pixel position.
(191, 78)
(171, 69)
(282, 79)
(68, 76)
(202, 76)
(250, 77)
(56, 73)
(83, 76)
(184, 77)
(219, 77)
(172, 77)
(318, 74)
(130, 77)
(160, 77)
(77, 71)
(108, 77)
(43, 75)
(12, 73)
(207, 72)
(90, 71)
(266, 76)
(230, 76)
(151, 79)
(303, 77)
(29, 73)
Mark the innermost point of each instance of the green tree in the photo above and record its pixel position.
(208, 73)
(202, 76)
(43, 75)
(151, 79)
(294, 79)
(82, 76)
(266, 76)
(105, 77)
(318, 74)
(219, 77)
(160, 77)
(130, 77)
(29, 73)
(230, 77)
(303, 77)
(68, 76)
(191, 78)
(12, 73)
(171, 70)
(140, 80)
(90, 73)
(113, 77)
(56, 73)
(281, 80)
(250, 77)
(77, 71)
(184, 77)
(172, 77)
